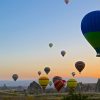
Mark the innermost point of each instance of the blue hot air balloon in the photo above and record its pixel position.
(90, 27)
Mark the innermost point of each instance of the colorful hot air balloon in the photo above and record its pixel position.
(66, 1)
(50, 45)
(15, 77)
(72, 83)
(73, 74)
(39, 73)
(80, 65)
(56, 78)
(59, 84)
(90, 27)
(47, 70)
(43, 81)
(63, 53)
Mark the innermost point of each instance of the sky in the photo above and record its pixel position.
(28, 26)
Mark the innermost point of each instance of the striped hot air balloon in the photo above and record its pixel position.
(59, 84)
(43, 81)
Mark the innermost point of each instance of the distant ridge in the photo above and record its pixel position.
(27, 82)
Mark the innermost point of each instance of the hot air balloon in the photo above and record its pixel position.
(39, 73)
(50, 45)
(43, 81)
(73, 74)
(80, 65)
(47, 70)
(90, 26)
(50, 83)
(56, 78)
(71, 84)
(63, 53)
(66, 1)
(15, 77)
(59, 84)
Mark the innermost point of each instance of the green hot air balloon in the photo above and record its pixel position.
(90, 27)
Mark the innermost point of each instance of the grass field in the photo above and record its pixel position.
(54, 96)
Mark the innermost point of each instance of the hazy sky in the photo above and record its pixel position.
(28, 26)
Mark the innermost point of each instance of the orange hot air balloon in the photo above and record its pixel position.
(80, 66)
(59, 84)
(39, 73)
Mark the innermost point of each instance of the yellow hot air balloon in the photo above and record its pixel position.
(43, 81)
(72, 83)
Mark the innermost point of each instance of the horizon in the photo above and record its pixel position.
(27, 82)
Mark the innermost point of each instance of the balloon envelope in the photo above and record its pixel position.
(80, 65)
(59, 84)
(66, 1)
(47, 70)
(63, 53)
(90, 26)
(43, 81)
(71, 83)
(39, 73)
(50, 45)
(73, 74)
(15, 77)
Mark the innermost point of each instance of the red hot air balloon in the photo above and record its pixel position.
(59, 84)
(80, 65)
(39, 73)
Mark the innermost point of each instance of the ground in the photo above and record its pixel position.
(52, 96)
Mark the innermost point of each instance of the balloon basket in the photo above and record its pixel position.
(98, 55)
